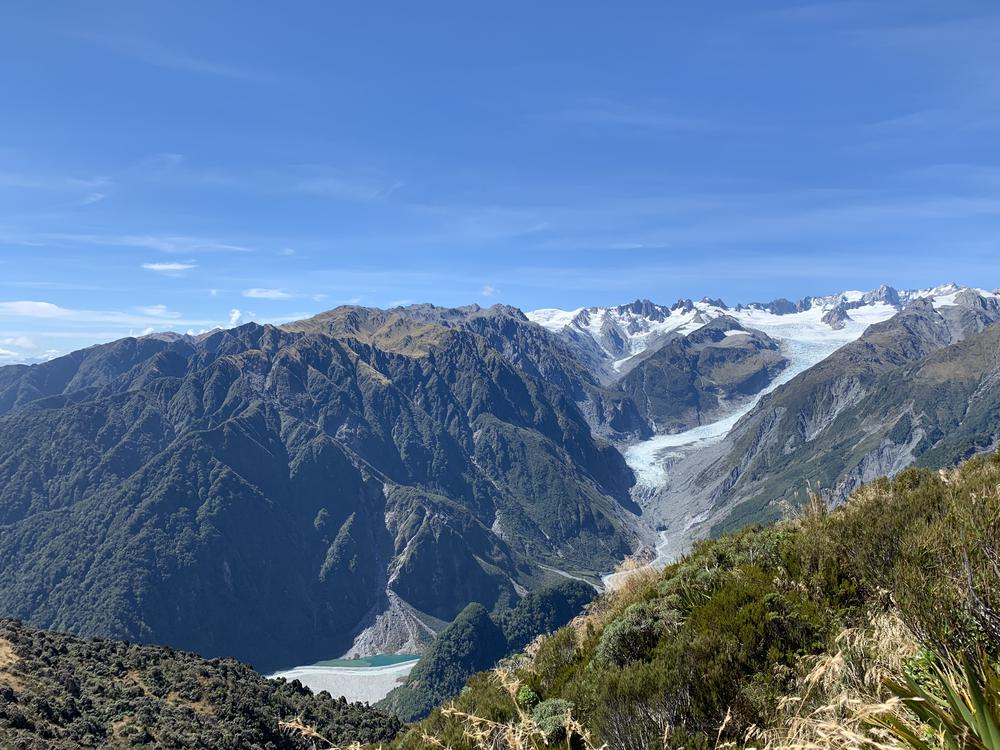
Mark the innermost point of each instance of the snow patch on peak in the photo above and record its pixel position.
(616, 336)
(553, 318)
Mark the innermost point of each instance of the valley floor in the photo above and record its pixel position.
(364, 684)
(668, 462)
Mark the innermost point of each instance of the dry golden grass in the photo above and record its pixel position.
(299, 728)
(844, 691)
(7, 656)
(633, 576)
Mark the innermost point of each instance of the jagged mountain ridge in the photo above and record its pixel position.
(269, 493)
(529, 347)
(610, 339)
(432, 456)
(871, 408)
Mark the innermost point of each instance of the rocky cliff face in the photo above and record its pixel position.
(269, 493)
(866, 411)
(350, 482)
(692, 379)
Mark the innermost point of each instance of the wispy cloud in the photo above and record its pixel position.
(607, 112)
(161, 56)
(173, 243)
(22, 342)
(158, 311)
(60, 285)
(164, 243)
(50, 182)
(42, 310)
(488, 290)
(258, 293)
(169, 268)
(347, 188)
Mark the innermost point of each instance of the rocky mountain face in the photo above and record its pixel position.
(919, 387)
(350, 482)
(691, 379)
(273, 494)
(529, 347)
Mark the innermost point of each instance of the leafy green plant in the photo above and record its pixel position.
(959, 710)
(527, 698)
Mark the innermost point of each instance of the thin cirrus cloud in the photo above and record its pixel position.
(347, 188)
(21, 342)
(41, 310)
(160, 56)
(158, 311)
(605, 112)
(46, 182)
(169, 267)
(259, 293)
(164, 243)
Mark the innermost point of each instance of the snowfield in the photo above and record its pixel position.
(805, 340)
(804, 337)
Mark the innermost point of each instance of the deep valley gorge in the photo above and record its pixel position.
(348, 483)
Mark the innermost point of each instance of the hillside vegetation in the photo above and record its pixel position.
(283, 496)
(60, 692)
(804, 634)
(475, 641)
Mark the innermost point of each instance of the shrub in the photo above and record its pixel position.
(551, 717)
(634, 635)
(527, 698)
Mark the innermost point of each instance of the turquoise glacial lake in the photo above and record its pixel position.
(380, 660)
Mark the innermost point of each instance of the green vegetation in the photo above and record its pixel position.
(475, 641)
(804, 634)
(255, 492)
(61, 692)
(959, 710)
(680, 385)
(903, 393)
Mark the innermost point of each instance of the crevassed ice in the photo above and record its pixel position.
(805, 341)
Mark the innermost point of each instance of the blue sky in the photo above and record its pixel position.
(182, 165)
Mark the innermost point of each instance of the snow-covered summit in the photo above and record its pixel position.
(610, 339)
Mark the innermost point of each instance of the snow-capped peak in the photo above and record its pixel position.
(610, 338)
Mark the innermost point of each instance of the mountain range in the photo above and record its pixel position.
(348, 483)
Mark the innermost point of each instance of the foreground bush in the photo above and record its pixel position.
(794, 636)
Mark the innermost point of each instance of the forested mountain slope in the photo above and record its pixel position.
(923, 379)
(62, 693)
(780, 637)
(269, 494)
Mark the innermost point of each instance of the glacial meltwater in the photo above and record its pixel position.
(368, 679)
